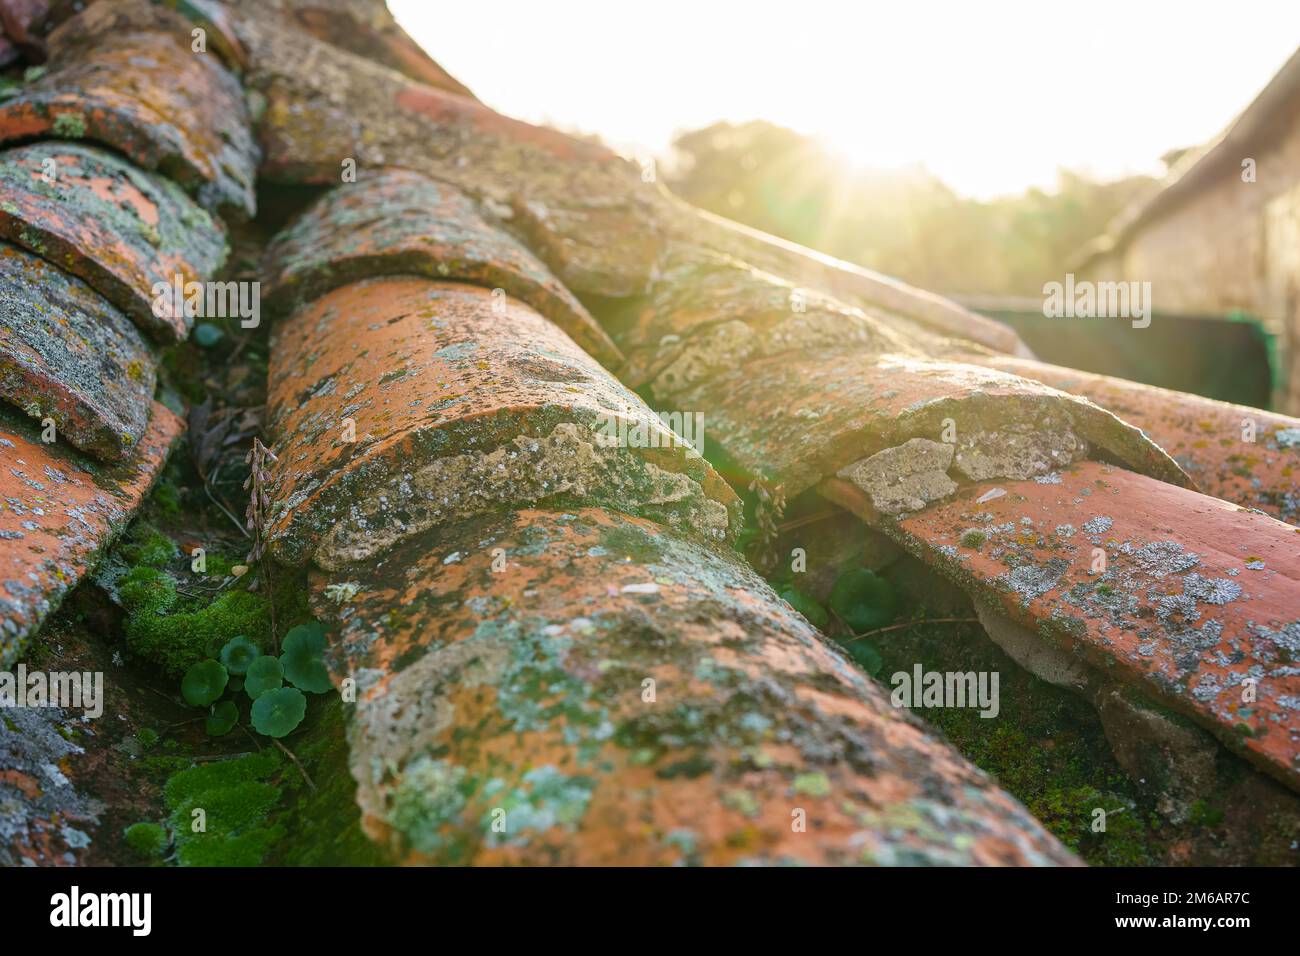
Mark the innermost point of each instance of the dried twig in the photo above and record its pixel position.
(258, 520)
(289, 753)
(907, 624)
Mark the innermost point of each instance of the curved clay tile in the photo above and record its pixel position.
(708, 314)
(401, 223)
(401, 404)
(124, 231)
(148, 95)
(58, 512)
(367, 28)
(796, 419)
(587, 688)
(590, 215)
(1234, 452)
(1188, 597)
(68, 355)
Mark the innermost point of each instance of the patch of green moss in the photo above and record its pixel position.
(69, 126)
(167, 496)
(329, 813)
(175, 635)
(146, 840)
(146, 545)
(236, 798)
(1046, 747)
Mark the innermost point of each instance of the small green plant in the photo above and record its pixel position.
(807, 606)
(863, 600)
(237, 670)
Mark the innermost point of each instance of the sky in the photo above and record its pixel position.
(993, 97)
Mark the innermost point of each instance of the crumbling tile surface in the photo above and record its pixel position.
(1240, 454)
(400, 404)
(67, 354)
(148, 95)
(122, 230)
(613, 694)
(798, 418)
(401, 223)
(58, 511)
(1185, 596)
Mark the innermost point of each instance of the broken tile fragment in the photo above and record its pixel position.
(400, 404)
(1233, 452)
(401, 223)
(798, 418)
(124, 231)
(58, 512)
(148, 95)
(68, 355)
(540, 683)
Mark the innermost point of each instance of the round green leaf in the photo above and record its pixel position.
(807, 606)
(264, 674)
(203, 683)
(224, 716)
(277, 712)
(238, 653)
(863, 600)
(304, 647)
(866, 656)
(207, 335)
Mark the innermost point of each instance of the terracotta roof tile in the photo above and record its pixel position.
(587, 213)
(118, 228)
(401, 223)
(367, 28)
(1181, 594)
(460, 400)
(146, 94)
(1234, 452)
(503, 663)
(798, 418)
(709, 314)
(67, 354)
(58, 511)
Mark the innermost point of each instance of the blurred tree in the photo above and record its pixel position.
(903, 222)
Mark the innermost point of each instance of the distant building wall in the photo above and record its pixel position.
(1228, 245)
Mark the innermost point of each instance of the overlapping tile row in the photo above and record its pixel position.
(583, 687)
(398, 222)
(1234, 452)
(124, 231)
(600, 223)
(708, 314)
(124, 74)
(1192, 599)
(66, 354)
(400, 404)
(58, 511)
(798, 418)
(367, 28)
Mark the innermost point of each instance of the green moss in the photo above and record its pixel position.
(973, 539)
(236, 798)
(147, 840)
(146, 545)
(162, 630)
(1046, 748)
(329, 812)
(167, 497)
(69, 126)
(1204, 814)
